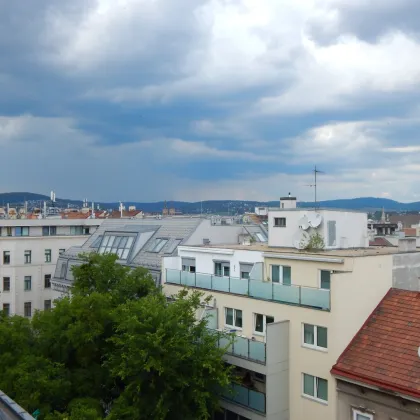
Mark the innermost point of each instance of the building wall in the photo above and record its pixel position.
(354, 295)
(38, 268)
(217, 234)
(384, 406)
(351, 228)
(406, 271)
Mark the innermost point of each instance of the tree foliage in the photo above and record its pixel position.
(115, 348)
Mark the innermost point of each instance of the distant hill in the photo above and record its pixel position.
(216, 206)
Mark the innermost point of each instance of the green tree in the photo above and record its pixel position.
(115, 348)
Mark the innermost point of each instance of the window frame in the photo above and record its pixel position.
(313, 397)
(47, 284)
(23, 231)
(314, 346)
(24, 309)
(122, 251)
(223, 265)
(8, 289)
(50, 304)
(356, 412)
(157, 245)
(6, 254)
(320, 278)
(27, 256)
(48, 255)
(6, 305)
(281, 225)
(281, 274)
(61, 251)
(234, 327)
(27, 280)
(264, 332)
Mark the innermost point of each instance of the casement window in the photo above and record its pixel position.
(173, 246)
(6, 257)
(76, 230)
(27, 309)
(27, 283)
(245, 270)
(6, 284)
(260, 323)
(47, 281)
(47, 305)
(9, 231)
(315, 388)
(325, 279)
(22, 231)
(6, 309)
(281, 274)
(314, 336)
(48, 255)
(233, 318)
(359, 415)
(279, 222)
(158, 244)
(49, 230)
(63, 271)
(222, 268)
(97, 242)
(27, 256)
(188, 264)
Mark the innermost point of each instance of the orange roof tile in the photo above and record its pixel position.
(410, 231)
(384, 351)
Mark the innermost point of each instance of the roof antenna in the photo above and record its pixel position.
(315, 171)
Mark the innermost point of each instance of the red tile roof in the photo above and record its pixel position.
(384, 351)
(380, 242)
(410, 231)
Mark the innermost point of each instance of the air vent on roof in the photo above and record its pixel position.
(206, 241)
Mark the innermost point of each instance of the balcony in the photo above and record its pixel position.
(246, 397)
(275, 292)
(244, 348)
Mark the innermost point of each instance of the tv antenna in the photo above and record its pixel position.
(315, 171)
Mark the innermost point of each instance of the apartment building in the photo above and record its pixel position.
(293, 308)
(29, 249)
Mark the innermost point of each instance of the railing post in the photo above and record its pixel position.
(180, 276)
(211, 281)
(249, 283)
(195, 279)
(229, 283)
(300, 295)
(272, 290)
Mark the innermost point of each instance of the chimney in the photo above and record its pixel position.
(407, 244)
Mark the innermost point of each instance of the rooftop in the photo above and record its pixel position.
(350, 252)
(384, 353)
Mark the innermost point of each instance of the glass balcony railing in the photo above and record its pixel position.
(246, 397)
(276, 292)
(245, 348)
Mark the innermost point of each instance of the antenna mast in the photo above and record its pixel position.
(315, 172)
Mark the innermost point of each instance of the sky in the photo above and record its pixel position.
(147, 100)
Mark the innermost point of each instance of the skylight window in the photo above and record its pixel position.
(97, 242)
(171, 248)
(158, 244)
(116, 244)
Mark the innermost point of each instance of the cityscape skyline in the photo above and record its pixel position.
(210, 99)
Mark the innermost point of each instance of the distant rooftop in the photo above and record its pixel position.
(316, 208)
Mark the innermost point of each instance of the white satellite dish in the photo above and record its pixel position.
(301, 239)
(303, 223)
(314, 219)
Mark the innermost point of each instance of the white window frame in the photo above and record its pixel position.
(312, 397)
(319, 278)
(313, 346)
(234, 327)
(255, 332)
(280, 273)
(356, 412)
(282, 226)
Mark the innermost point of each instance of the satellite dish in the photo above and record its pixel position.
(314, 219)
(301, 239)
(303, 223)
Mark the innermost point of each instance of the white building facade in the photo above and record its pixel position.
(29, 249)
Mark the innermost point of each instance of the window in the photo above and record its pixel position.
(28, 309)
(6, 308)
(245, 270)
(115, 244)
(47, 305)
(21, 231)
(157, 244)
(315, 388)
(260, 323)
(47, 281)
(188, 264)
(97, 242)
(315, 336)
(6, 257)
(6, 284)
(63, 271)
(325, 279)
(222, 269)
(27, 256)
(61, 251)
(76, 230)
(331, 226)
(173, 246)
(281, 274)
(9, 231)
(279, 222)
(86, 231)
(233, 317)
(49, 230)
(28, 283)
(359, 415)
(48, 255)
